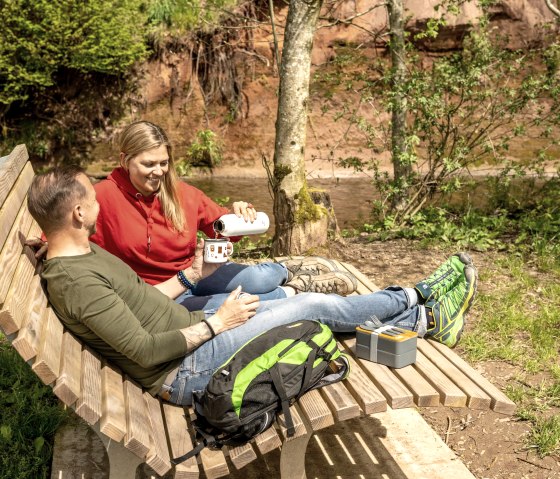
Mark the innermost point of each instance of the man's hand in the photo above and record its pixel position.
(247, 210)
(235, 311)
(38, 245)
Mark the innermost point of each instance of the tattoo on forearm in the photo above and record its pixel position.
(196, 335)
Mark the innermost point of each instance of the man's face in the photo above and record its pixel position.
(89, 205)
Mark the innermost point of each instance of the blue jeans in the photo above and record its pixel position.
(262, 279)
(341, 314)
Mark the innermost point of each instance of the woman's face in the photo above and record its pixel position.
(146, 170)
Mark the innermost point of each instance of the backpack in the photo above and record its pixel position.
(265, 376)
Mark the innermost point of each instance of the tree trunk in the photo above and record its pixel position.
(401, 168)
(300, 222)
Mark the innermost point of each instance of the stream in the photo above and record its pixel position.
(351, 197)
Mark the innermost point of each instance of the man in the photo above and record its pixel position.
(171, 351)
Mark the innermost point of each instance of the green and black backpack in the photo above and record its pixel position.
(263, 377)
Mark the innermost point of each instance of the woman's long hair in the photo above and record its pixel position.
(141, 136)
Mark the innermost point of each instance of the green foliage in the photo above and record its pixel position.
(520, 215)
(254, 247)
(29, 417)
(175, 18)
(206, 150)
(477, 105)
(38, 39)
(185, 15)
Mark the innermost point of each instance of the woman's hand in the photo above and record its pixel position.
(39, 246)
(235, 311)
(200, 269)
(247, 210)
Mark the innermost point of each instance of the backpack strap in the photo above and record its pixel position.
(308, 373)
(284, 401)
(207, 440)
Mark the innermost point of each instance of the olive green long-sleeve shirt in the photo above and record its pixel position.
(102, 301)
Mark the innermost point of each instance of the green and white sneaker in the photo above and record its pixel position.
(446, 316)
(444, 278)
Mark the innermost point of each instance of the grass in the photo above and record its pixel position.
(29, 417)
(518, 322)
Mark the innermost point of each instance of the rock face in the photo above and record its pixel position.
(172, 97)
(523, 22)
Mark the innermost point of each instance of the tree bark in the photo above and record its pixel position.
(401, 168)
(300, 223)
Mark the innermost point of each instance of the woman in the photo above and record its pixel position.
(150, 220)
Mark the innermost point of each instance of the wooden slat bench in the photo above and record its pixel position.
(136, 427)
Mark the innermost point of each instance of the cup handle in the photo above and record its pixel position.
(229, 248)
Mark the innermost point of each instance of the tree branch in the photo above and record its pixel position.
(552, 8)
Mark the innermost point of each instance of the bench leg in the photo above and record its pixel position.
(122, 462)
(81, 451)
(292, 457)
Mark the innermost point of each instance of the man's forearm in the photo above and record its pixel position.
(198, 334)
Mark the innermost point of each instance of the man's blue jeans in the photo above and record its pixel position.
(341, 314)
(262, 279)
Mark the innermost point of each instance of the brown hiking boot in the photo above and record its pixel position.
(312, 265)
(338, 282)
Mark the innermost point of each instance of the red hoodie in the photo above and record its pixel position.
(133, 227)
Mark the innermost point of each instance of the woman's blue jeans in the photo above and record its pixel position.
(262, 279)
(341, 314)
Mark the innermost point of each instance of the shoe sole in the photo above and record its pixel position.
(352, 279)
(465, 258)
(471, 270)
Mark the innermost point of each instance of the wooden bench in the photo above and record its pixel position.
(136, 427)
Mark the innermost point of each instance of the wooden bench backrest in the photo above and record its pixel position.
(95, 390)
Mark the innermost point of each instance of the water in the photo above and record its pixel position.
(351, 197)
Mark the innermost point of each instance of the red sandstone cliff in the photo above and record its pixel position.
(172, 97)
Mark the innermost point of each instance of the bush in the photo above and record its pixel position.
(39, 38)
(206, 150)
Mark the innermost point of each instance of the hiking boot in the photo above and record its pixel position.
(338, 282)
(446, 316)
(311, 265)
(444, 278)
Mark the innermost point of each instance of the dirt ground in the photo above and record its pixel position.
(491, 445)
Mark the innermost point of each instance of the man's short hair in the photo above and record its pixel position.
(51, 195)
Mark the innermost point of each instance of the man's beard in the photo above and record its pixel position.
(91, 228)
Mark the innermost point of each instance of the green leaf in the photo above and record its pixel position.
(38, 443)
(6, 432)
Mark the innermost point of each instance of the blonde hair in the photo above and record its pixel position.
(142, 136)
